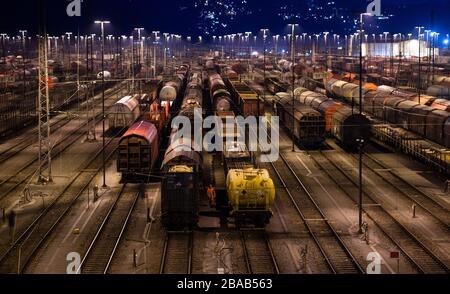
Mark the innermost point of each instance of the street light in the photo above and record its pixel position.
(386, 34)
(3, 46)
(304, 44)
(23, 32)
(264, 31)
(102, 26)
(293, 80)
(68, 40)
(360, 141)
(435, 43)
(325, 34)
(420, 63)
(139, 52)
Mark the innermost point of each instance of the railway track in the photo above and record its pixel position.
(17, 257)
(27, 171)
(423, 258)
(338, 257)
(31, 138)
(258, 253)
(409, 191)
(177, 253)
(104, 245)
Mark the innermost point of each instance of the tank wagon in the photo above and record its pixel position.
(221, 97)
(171, 88)
(193, 97)
(250, 190)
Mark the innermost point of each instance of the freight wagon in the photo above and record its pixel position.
(308, 126)
(138, 150)
(247, 100)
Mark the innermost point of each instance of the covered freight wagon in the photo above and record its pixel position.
(124, 112)
(308, 125)
(181, 186)
(138, 150)
(436, 123)
(349, 127)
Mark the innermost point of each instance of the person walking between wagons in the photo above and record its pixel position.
(211, 196)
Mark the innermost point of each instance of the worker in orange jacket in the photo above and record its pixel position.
(211, 196)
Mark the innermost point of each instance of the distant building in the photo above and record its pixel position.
(407, 49)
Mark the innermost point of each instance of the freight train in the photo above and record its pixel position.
(182, 168)
(138, 149)
(18, 110)
(193, 97)
(345, 125)
(250, 190)
(424, 115)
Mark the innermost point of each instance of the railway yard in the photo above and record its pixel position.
(105, 184)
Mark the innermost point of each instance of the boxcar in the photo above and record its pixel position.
(369, 101)
(439, 91)
(390, 109)
(418, 119)
(247, 100)
(436, 121)
(447, 133)
(309, 124)
(138, 150)
(349, 127)
(404, 112)
(124, 112)
(328, 108)
(378, 105)
(249, 106)
(181, 186)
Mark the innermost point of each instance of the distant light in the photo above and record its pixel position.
(446, 42)
(255, 53)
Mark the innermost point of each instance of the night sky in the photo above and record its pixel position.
(210, 17)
